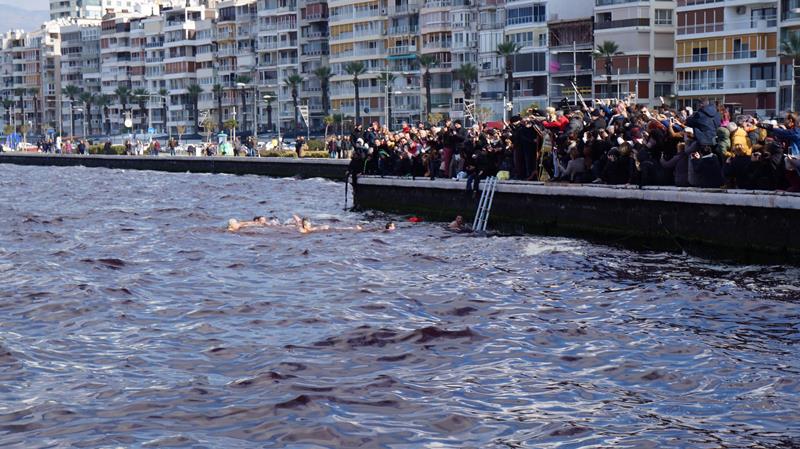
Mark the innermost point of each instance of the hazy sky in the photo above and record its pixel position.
(29, 4)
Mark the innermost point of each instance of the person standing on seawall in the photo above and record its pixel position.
(298, 146)
(705, 123)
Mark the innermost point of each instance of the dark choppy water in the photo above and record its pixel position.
(129, 319)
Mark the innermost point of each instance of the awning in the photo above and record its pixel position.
(408, 56)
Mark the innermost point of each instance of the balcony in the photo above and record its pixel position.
(403, 30)
(402, 50)
(727, 86)
(618, 2)
(726, 56)
(682, 3)
(734, 26)
(624, 23)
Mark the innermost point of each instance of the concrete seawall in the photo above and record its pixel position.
(757, 226)
(278, 167)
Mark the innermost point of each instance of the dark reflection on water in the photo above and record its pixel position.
(128, 318)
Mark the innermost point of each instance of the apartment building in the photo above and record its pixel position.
(645, 34)
(278, 51)
(121, 40)
(313, 53)
(491, 68)
(727, 51)
(570, 43)
(80, 67)
(95, 9)
(357, 33)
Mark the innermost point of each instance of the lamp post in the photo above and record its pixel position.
(387, 92)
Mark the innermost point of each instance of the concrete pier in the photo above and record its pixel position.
(278, 167)
(752, 225)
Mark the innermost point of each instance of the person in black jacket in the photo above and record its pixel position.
(708, 173)
(705, 123)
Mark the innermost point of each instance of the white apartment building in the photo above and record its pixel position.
(80, 67)
(645, 34)
(96, 9)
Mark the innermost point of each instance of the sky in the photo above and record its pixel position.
(30, 4)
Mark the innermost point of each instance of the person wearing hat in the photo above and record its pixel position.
(598, 120)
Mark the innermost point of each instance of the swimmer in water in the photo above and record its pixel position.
(304, 226)
(457, 225)
(235, 225)
(389, 227)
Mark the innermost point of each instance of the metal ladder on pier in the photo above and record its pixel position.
(485, 205)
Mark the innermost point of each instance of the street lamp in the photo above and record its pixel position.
(387, 91)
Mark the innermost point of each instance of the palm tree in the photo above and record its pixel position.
(507, 50)
(355, 69)
(142, 97)
(20, 92)
(607, 50)
(791, 48)
(269, 97)
(194, 92)
(163, 93)
(34, 92)
(8, 104)
(123, 94)
(86, 98)
(102, 102)
(217, 89)
(426, 62)
(324, 75)
(71, 92)
(243, 79)
(293, 82)
(468, 74)
(388, 79)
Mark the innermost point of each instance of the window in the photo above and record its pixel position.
(604, 17)
(528, 14)
(542, 39)
(663, 89)
(663, 17)
(700, 54)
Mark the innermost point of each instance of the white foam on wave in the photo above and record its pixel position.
(553, 246)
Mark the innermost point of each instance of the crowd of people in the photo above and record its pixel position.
(610, 142)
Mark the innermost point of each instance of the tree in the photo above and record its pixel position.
(790, 47)
(218, 91)
(607, 50)
(426, 62)
(468, 74)
(123, 94)
(507, 50)
(71, 92)
(34, 92)
(293, 82)
(483, 114)
(243, 79)
(356, 69)
(328, 120)
(20, 92)
(163, 93)
(231, 124)
(324, 75)
(181, 129)
(194, 92)
(388, 79)
(87, 98)
(8, 129)
(210, 126)
(103, 102)
(8, 104)
(435, 117)
(142, 97)
(269, 97)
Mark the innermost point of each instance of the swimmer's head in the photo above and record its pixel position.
(260, 219)
(306, 223)
(390, 226)
(233, 224)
